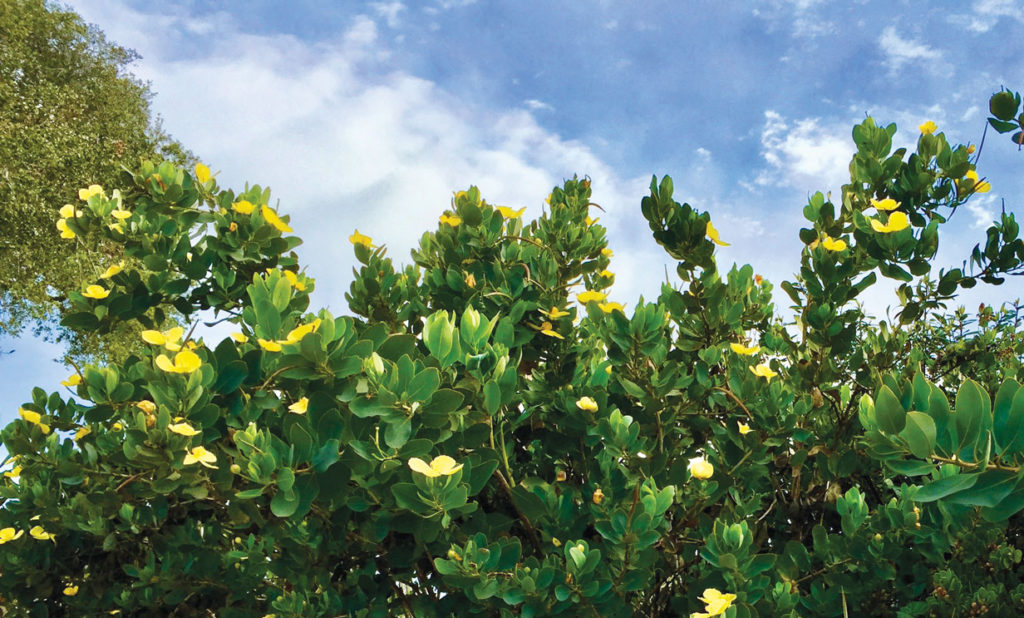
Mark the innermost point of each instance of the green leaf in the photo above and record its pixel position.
(971, 404)
(919, 434)
(423, 386)
(1003, 105)
(327, 455)
(945, 486)
(909, 467)
(889, 411)
(284, 503)
(1007, 507)
(230, 377)
(991, 488)
(397, 433)
(407, 496)
(492, 397)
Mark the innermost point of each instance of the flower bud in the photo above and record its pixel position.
(598, 496)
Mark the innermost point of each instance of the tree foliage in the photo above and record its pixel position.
(490, 434)
(69, 113)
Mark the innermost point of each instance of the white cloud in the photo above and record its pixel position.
(899, 51)
(389, 11)
(537, 105)
(346, 140)
(987, 13)
(805, 154)
(983, 209)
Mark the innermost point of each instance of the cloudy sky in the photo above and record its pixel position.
(369, 114)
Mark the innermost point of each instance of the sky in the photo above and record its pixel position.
(369, 115)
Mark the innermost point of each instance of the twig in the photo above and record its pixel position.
(736, 399)
(522, 516)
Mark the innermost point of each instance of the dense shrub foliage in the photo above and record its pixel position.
(491, 434)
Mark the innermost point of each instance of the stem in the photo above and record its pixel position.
(736, 399)
(522, 517)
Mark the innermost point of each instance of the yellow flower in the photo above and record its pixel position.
(609, 307)
(591, 221)
(73, 380)
(269, 346)
(10, 534)
(897, 221)
(977, 187)
(233, 227)
(360, 239)
(239, 337)
(763, 371)
(202, 173)
(441, 465)
(744, 350)
(715, 602)
(970, 149)
(598, 496)
(169, 338)
(554, 314)
(712, 235)
(586, 404)
(508, 213)
(82, 432)
(200, 455)
(547, 329)
(744, 428)
(185, 361)
(243, 207)
(886, 204)
(37, 532)
(556, 542)
(293, 279)
(146, 406)
(13, 473)
(607, 252)
(927, 128)
(606, 273)
(70, 591)
(85, 194)
(273, 219)
(452, 220)
(65, 231)
(112, 270)
(832, 244)
(300, 406)
(117, 426)
(700, 468)
(34, 418)
(116, 227)
(758, 279)
(299, 332)
(68, 211)
(470, 280)
(184, 429)
(590, 295)
(96, 291)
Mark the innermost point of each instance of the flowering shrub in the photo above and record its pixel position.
(489, 434)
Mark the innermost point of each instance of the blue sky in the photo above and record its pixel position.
(369, 114)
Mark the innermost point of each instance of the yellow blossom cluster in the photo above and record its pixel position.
(442, 465)
(294, 336)
(715, 603)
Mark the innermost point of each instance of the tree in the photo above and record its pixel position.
(464, 445)
(69, 112)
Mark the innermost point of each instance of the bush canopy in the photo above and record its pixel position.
(491, 434)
